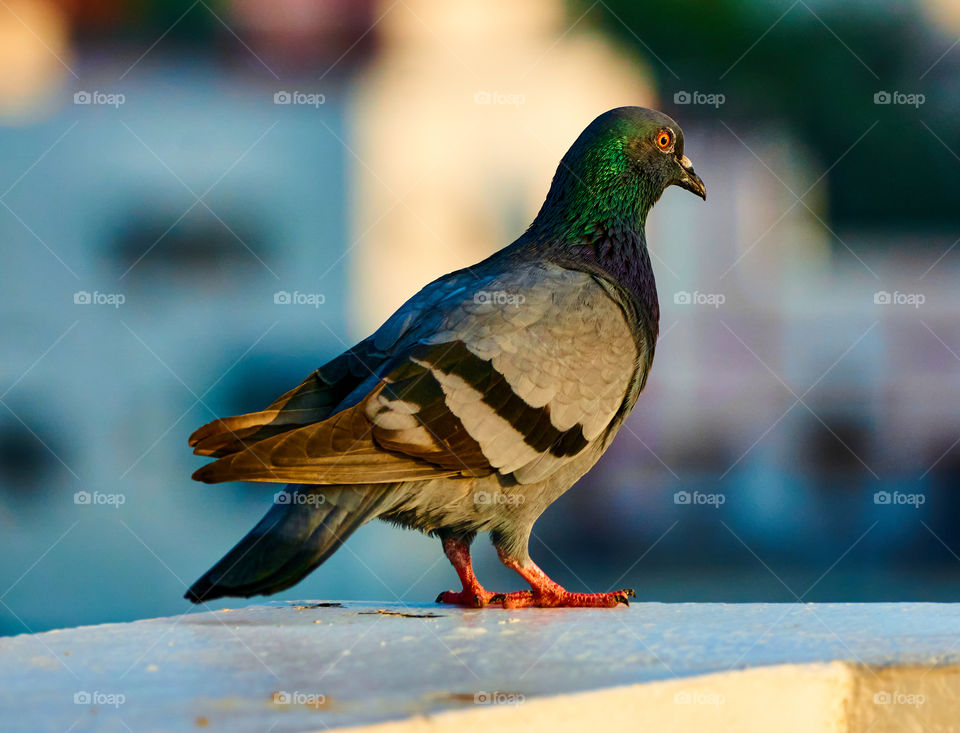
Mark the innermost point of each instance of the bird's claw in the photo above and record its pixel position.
(462, 598)
(564, 599)
(525, 598)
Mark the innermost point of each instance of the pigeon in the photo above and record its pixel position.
(483, 399)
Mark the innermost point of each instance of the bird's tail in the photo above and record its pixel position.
(303, 528)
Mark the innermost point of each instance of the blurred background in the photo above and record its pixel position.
(200, 202)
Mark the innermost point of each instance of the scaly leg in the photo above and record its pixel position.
(545, 593)
(473, 595)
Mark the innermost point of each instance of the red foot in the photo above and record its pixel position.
(547, 594)
(544, 592)
(561, 598)
(471, 598)
(473, 594)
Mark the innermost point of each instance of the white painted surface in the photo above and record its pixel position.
(352, 665)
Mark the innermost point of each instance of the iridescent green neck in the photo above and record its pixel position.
(595, 189)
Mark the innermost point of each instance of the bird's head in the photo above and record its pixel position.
(618, 168)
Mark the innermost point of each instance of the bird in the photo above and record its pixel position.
(481, 400)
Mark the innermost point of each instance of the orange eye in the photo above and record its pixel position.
(664, 139)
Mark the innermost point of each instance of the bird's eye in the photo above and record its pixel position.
(664, 139)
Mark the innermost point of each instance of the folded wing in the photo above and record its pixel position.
(514, 374)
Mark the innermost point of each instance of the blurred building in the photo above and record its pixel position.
(204, 204)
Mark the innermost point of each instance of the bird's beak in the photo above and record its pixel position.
(690, 180)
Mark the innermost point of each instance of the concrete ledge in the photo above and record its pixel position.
(297, 667)
(836, 697)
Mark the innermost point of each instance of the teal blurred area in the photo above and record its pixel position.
(202, 202)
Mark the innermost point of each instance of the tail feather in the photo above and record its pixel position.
(311, 401)
(291, 540)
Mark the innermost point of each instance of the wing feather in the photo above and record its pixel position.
(453, 385)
